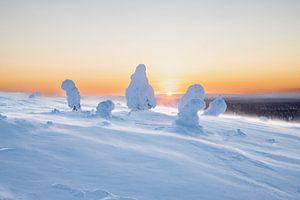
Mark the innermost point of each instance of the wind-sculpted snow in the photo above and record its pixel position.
(86, 194)
(55, 111)
(263, 119)
(104, 108)
(139, 94)
(34, 95)
(73, 95)
(142, 155)
(2, 116)
(216, 107)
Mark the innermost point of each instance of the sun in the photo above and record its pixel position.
(169, 93)
(168, 87)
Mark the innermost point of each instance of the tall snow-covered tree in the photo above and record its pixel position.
(73, 95)
(139, 94)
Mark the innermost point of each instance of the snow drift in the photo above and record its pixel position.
(73, 95)
(2, 116)
(139, 94)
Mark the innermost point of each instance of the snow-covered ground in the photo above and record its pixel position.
(141, 155)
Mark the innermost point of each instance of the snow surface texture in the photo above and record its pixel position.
(263, 119)
(2, 116)
(34, 95)
(190, 103)
(141, 156)
(73, 95)
(104, 109)
(139, 94)
(216, 107)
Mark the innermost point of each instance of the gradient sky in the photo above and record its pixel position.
(227, 46)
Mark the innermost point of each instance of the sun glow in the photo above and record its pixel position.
(169, 93)
(168, 87)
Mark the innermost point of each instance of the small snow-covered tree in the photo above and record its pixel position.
(139, 94)
(104, 108)
(216, 107)
(73, 95)
(190, 103)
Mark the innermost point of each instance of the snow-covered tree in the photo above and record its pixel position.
(216, 107)
(73, 95)
(190, 103)
(188, 116)
(104, 108)
(195, 91)
(139, 94)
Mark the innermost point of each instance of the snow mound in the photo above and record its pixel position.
(55, 111)
(49, 123)
(2, 116)
(73, 95)
(263, 119)
(235, 133)
(217, 107)
(86, 194)
(139, 94)
(190, 103)
(104, 108)
(271, 141)
(34, 95)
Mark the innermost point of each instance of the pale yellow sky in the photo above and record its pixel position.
(228, 46)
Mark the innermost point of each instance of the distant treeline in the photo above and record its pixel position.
(287, 109)
(282, 109)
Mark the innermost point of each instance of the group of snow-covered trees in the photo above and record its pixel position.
(140, 96)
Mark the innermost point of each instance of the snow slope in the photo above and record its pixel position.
(141, 155)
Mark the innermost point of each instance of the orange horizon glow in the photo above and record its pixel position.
(118, 86)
